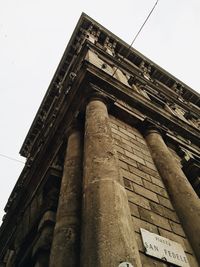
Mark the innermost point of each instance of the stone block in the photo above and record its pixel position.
(141, 140)
(127, 184)
(145, 192)
(114, 126)
(116, 136)
(123, 165)
(177, 228)
(138, 200)
(157, 181)
(165, 202)
(122, 135)
(163, 211)
(154, 218)
(134, 178)
(181, 240)
(139, 242)
(151, 262)
(155, 189)
(150, 165)
(119, 149)
(134, 209)
(134, 157)
(128, 133)
(148, 170)
(138, 223)
(192, 260)
(140, 173)
(128, 160)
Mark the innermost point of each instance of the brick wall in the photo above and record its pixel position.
(149, 202)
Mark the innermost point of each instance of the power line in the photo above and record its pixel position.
(10, 158)
(130, 46)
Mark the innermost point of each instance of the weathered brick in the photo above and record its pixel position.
(154, 218)
(157, 181)
(122, 135)
(123, 165)
(163, 211)
(139, 144)
(130, 144)
(135, 157)
(176, 238)
(139, 242)
(138, 223)
(119, 149)
(140, 154)
(127, 160)
(117, 122)
(150, 165)
(127, 184)
(138, 200)
(134, 131)
(177, 228)
(148, 170)
(155, 188)
(141, 140)
(115, 136)
(134, 209)
(165, 202)
(151, 262)
(145, 192)
(192, 260)
(134, 178)
(123, 145)
(127, 133)
(113, 125)
(140, 173)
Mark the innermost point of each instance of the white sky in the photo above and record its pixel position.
(35, 33)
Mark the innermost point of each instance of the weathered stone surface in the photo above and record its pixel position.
(65, 248)
(138, 223)
(138, 200)
(145, 192)
(107, 237)
(184, 198)
(154, 218)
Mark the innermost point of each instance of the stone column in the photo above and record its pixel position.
(183, 196)
(107, 231)
(65, 246)
(41, 249)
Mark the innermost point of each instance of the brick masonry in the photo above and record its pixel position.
(149, 202)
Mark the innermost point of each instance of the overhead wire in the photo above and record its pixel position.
(128, 53)
(10, 158)
(142, 26)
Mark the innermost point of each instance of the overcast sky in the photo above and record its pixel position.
(35, 33)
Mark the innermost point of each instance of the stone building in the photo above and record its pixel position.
(113, 164)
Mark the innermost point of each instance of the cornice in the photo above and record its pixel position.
(89, 29)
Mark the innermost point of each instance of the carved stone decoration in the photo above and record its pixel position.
(178, 89)
(110, 46)
(91, 34)
(146, 70)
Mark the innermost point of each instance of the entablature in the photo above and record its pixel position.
(88, 30)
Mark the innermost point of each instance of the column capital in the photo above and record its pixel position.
(97, 95)
(75, 125)
(149, 126)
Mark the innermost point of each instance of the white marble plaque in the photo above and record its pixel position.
(125, 264)
(164, 248)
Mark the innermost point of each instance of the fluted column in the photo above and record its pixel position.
(184, 198)
(107, 231)
(65, 246)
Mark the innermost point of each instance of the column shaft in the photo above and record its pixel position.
(108, 234)
(65, 246)
(184, 198)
